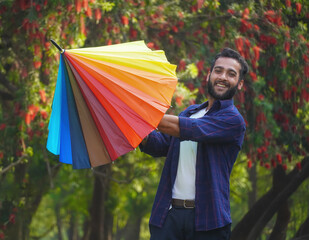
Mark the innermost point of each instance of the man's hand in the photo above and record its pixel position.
(144, 140)
(170, 125)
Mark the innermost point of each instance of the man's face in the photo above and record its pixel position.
(223, 81)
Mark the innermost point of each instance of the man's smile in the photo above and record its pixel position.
(221, 85)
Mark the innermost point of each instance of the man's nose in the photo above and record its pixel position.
(224, 75)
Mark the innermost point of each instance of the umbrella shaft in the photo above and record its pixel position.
(57, 46)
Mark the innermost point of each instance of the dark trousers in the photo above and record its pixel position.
(179, 225)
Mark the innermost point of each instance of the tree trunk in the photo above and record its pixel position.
(280, 228)
(20, 230)
(73, 230)
(108, 225)
(95, 226)
(59, 222)
(250, 220)
(276, 203)
(253, 180)
(283, 216)
(132, 229)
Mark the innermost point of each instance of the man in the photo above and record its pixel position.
(201, 146)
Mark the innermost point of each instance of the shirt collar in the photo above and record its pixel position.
(221, 104)
(218, 104)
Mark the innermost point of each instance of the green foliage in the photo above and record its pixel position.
(272, 37)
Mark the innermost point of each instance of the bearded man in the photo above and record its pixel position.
(201, 146)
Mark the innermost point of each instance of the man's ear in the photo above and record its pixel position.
(240, 84)
(208, 75)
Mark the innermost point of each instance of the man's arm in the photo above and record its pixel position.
(169, 125)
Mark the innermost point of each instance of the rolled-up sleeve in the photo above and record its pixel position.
(220, 128)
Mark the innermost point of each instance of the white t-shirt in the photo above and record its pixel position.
(184, 187)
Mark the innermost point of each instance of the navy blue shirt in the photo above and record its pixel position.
(219, 133)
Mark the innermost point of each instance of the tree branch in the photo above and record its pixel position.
(95, 172)
(7, 84)
(6, 96)
(7, 168)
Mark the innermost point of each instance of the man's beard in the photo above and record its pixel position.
(227, 95)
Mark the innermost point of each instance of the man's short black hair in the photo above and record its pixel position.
(230, 53)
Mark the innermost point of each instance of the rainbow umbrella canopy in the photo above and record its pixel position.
(107, 100)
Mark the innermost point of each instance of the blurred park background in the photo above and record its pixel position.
(43, 199)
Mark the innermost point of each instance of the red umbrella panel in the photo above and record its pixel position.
(107, 99)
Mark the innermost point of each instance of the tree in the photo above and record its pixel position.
(271, 35)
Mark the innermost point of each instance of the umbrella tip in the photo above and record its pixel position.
(57, 46)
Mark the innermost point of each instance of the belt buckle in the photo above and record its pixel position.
(185, 205)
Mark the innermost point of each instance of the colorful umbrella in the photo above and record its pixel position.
(107, 100)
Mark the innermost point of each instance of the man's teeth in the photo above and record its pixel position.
(220, 85)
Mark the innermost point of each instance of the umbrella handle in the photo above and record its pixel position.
(57, 46)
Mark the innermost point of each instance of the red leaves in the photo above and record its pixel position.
(182, 65)
(245, 14)
(306, 71)
(37, 64)
(245, 26)
(273, 163)
(304, 95)
(287, 94)
(298, 8)
(133, 33)
(175, 29)
(82, 25)
(12, 218)
(239, 42)
(288, 3)
(30, 115)
(256, 51)
(269, 40)
(178, 100)
(78, 6)
(124, 20)
(231, 11)
(253, 76)
(200, 65)
(267, 134)
(89, 12)
(37, 50)
(2, 126)
(43, 114)
(279, 158)
(85, 4)
(284, 63)
(97, 14)
(249, 164)
(298, 166)
(273, 17)
(42, 95)
(287, 46)
(150, 44)
(261, 97)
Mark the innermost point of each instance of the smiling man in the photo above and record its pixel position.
(201, 146)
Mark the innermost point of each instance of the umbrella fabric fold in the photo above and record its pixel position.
(107, 99)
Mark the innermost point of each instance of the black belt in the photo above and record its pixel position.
(183, 203)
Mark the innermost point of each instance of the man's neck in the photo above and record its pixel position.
(211, 101)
